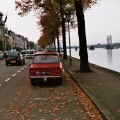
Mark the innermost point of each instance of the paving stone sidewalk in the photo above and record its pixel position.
(102, 86)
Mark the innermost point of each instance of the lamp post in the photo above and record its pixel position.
(68, 16)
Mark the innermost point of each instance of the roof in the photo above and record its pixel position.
(53, 53)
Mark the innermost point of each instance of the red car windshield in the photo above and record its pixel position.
(45, 59)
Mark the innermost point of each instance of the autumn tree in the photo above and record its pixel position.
(50, 26)
(55, 6)
(42, 41)
(58, 8)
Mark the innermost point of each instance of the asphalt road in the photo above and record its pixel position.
(7, 72)
(19, 100)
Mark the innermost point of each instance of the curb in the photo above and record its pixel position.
(103, 111)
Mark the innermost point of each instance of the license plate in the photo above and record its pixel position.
(44, 73)
(13, 61)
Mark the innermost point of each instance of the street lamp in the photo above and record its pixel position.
(68, 16)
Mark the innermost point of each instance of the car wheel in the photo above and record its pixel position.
(32, 81)
(6, 64)
(60, 81)
(21, 63)
(24, 62)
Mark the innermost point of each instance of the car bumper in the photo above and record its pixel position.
(37, 77)
(13, 62)
(46, 78)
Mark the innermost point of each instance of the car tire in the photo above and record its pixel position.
(21, 63)
(60, 81)
(32, 81)
(6, 64)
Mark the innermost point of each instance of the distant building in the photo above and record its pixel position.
(2, 42)
(17, 41)
(109, 42)
(9, 39)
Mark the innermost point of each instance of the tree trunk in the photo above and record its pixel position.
(54, 46)
(63, 30)
(84, 65)
(58, 43)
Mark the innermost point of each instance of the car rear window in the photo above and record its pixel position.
(46, 59)
(23, 52)
(30, 52)
(13, 54)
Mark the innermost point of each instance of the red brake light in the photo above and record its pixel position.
(18, 58)
(8, 59)
(57, 71)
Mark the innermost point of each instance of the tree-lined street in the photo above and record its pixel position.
(45, 101)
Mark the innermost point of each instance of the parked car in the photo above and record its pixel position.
(46, 66)
(1, 55)
(5, 54)
(14, 57)
(23, 52)
(29, 54)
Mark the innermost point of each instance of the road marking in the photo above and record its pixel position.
(7, 80)
(14, 75)
(19, 71)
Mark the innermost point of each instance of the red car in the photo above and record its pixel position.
(46, 66)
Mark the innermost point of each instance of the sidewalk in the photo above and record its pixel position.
(102, 86)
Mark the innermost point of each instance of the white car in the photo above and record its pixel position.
(23, 52)
(29, 54)
(1, 55)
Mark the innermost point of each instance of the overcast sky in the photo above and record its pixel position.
(102, 20)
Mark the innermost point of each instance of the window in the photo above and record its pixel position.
(30, 52)
(46, 59)
(13, 54)
(23, 52)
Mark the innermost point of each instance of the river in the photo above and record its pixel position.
(107, 58)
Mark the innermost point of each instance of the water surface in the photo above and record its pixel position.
(107, 58)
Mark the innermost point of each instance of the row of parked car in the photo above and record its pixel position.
(2, 54)
(45, 66)
(24, 53)
(15, 57)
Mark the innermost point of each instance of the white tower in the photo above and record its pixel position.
(109, 40)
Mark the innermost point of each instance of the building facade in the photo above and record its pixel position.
(9, 39)
(1, 32)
